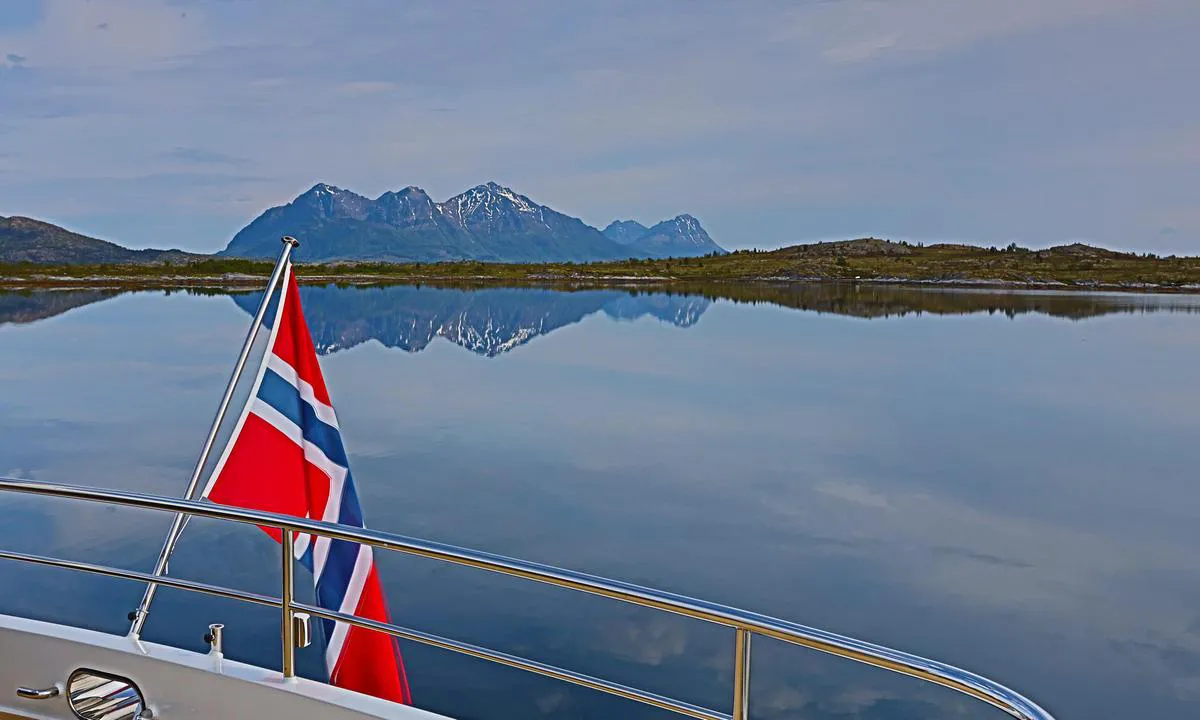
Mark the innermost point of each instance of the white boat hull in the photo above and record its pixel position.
(177, 684)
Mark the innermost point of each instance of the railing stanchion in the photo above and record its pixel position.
(286, 629)
(741, 674)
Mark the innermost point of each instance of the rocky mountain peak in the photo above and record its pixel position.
(402, 207)
(681, 236)
(684, 229)
(409, 191)
(487, 202)
(329, 201)
(625, 232)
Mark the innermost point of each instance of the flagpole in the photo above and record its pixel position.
(138, 617)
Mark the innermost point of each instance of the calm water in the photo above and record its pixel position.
(1002, 481)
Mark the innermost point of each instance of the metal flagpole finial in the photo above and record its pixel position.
(289, 240)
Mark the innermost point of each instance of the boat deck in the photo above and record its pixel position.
(175, 683)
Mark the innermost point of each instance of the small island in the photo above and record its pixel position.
(866, 260)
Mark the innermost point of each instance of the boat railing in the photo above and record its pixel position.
(745, 624)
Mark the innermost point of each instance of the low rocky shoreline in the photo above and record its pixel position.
(236, 281)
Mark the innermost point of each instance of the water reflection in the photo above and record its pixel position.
(18, 307)
(881, 301)
(493, 321)
(487, 322)
(1012, 495)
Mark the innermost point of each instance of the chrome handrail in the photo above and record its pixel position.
(746, 624)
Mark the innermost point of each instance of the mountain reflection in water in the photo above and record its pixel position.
(27, 306)
(488, 322)
(495, 320)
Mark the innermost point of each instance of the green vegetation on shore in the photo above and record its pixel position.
(1078, 266)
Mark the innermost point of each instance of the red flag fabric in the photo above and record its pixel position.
(286, 455)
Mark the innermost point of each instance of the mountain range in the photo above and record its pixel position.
(681, 236)
(25, 240)
(489, 222)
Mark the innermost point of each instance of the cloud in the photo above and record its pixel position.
(975, 120)
(646, 642)
(862, 50)
(855, 494)
(96, 38)
(365, 87)
(203, 157)
(873, 29)
(986, 558)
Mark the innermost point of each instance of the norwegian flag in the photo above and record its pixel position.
(286, 456)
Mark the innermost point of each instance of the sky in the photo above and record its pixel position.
(174, 123)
